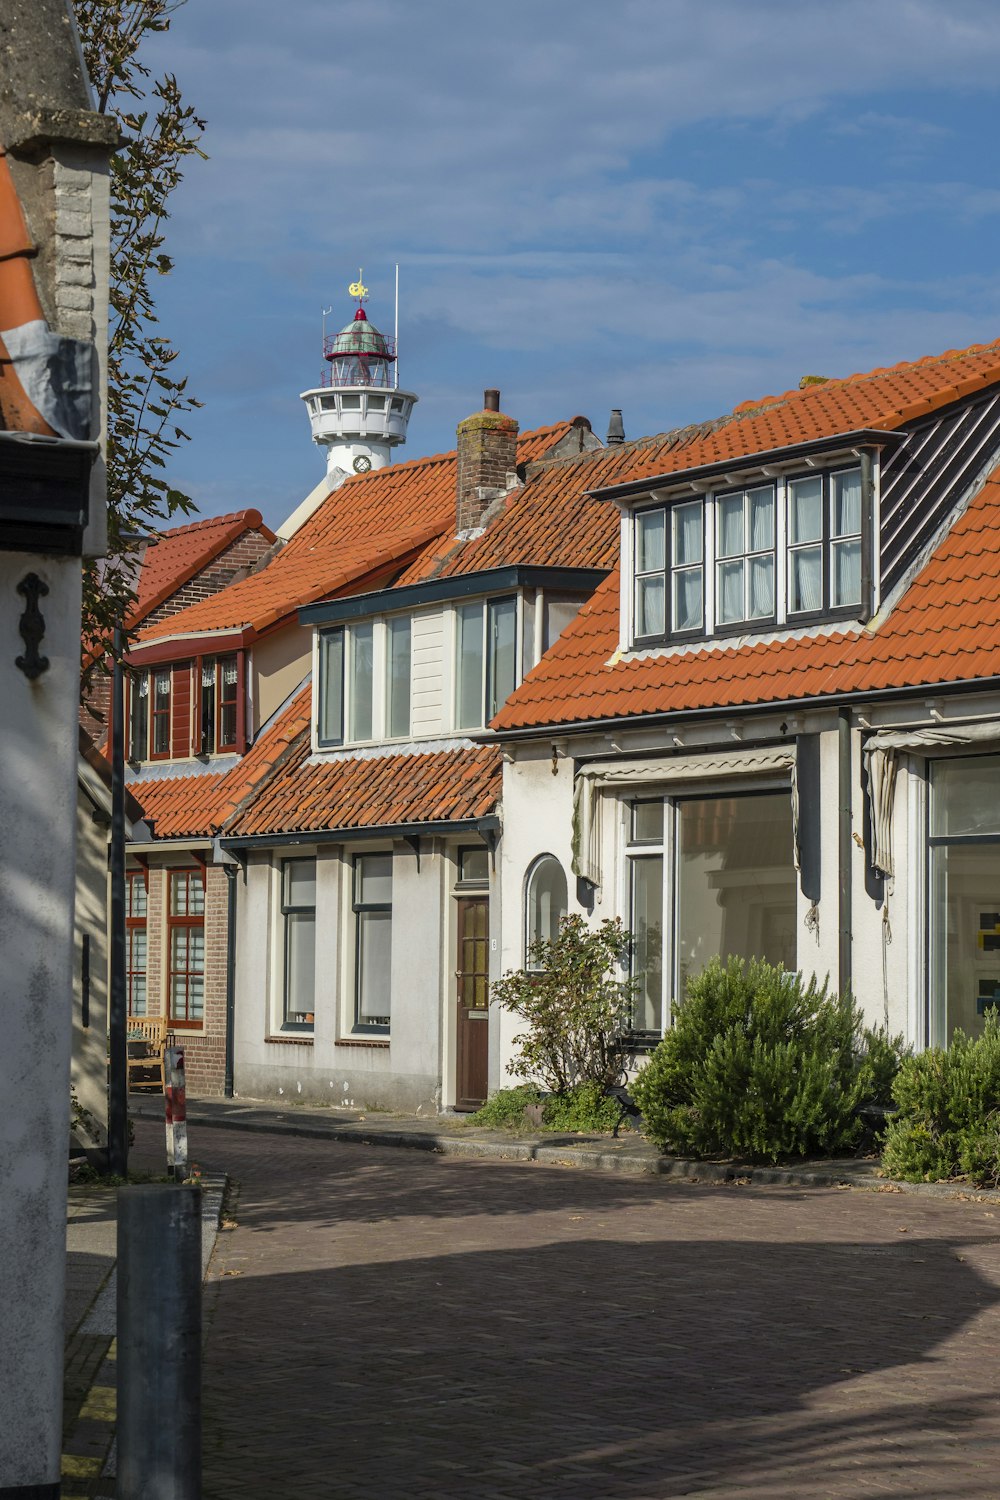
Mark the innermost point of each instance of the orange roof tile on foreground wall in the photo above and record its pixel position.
(362, 526)
(182, 551)
(945, 629)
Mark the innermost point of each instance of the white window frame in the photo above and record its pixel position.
(483, 605)
(781, 616)
(380, 684)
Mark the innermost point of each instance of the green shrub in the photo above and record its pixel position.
(947, 1121)
(506, 1107)
(575, 1005)
(760, 1065)
(585, 1107)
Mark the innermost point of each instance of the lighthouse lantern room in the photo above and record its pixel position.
(357, 412)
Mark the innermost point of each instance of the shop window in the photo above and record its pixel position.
(186, 947)
(298, 909)
(964, 925)
(372, 907)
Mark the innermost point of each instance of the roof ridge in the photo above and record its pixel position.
(207, 521)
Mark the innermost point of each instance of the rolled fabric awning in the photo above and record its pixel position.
(664, 770)
(881, 752)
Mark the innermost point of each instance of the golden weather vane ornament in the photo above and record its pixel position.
(358, 288)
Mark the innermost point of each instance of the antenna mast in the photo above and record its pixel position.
(396, 372)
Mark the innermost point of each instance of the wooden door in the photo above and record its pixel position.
(472, 974)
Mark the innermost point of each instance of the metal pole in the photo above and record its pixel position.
(159, 1343)
(396, 341)
(844, 846)
(117, 999)
(229, 1083)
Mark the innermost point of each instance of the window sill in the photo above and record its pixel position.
(305, 1040)
(362, 1041)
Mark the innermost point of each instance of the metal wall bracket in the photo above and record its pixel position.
(32, 627)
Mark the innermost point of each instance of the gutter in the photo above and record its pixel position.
(490, 824)
(456, 586)
(552, 731)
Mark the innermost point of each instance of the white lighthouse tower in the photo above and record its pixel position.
(358, 413)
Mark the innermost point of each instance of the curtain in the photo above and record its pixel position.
(687, 534)
(731, 542)
(731, 603)
(650, 542)
(847, 503)
(807, 579)
(761, 587)
(761, 520)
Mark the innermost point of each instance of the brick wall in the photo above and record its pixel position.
(487, 454)
(205, 1046)
(237, 559)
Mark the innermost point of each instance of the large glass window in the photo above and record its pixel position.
(298, 909)
(545, 903)
(138, 715)
(362, 681)
(744, 584)
(186, 947)
(645, 865)
(650, 573)
(735, 881)
(135, 941)
(824, 542)
(331, 687)
(486, 664)
(161, 713)
(373, 942)
(964, 894)
(398, 677)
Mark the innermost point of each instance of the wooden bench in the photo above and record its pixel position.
(147, 1037)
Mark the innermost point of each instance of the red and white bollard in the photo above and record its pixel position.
(176, 1105)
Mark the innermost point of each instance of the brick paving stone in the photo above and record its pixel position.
(393, 1324)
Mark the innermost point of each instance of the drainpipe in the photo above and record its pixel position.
(228, 1086)
(844, 850)
(117, 991)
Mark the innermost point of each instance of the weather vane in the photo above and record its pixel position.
(358, 288)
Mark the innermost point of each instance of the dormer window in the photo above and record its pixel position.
(364, 682)
(774, 552)
(185, 709)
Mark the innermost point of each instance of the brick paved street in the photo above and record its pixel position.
(385, 1324)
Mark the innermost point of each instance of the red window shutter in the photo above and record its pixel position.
(180, 711)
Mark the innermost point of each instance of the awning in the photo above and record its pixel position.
(662, 770)
(881, 753)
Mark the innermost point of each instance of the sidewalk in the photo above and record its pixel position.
(88, 1465)
(452, 1135)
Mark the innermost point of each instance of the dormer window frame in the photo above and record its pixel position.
(348, 655)
(658, 588)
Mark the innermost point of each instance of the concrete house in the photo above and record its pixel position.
(775, 728)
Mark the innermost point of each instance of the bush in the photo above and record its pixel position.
(575, 1006)
(584, 1108)
(760, 1065)
(947, 1122)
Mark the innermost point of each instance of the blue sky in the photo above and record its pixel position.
(670, 206)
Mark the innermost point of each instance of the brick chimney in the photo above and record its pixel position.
(487, 458)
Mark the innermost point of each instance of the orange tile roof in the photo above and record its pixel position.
(182, 551)
(946, 628)
(197, 806)
(439, 786)
(361, 528)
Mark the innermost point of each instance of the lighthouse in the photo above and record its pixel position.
(357, 412)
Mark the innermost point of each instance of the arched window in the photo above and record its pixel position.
(545, 902)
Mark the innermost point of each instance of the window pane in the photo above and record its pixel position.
(473, 864)
(374, 879)
(805, 579)
(331, 685)
(731, 539)
(650, 541)
(846, 503)
(196, 895)
(762, 519)
(196, 998)
(688, 613)
(501, 617)
(361, 681)
(761, 587)
(647, 822)
(469, 698)
(300, 966)
(965, 795)
(300, 882)
(805, 510)
(178, 895)
(647, 948)
(399, 677)
(729, 605)
(136, 896)
(546, 900)
(374, 951)
(965, 938)
(139, 726)
(736, 887)
(687, 533)
(846, 573)
(161, 713)
(650, 617)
